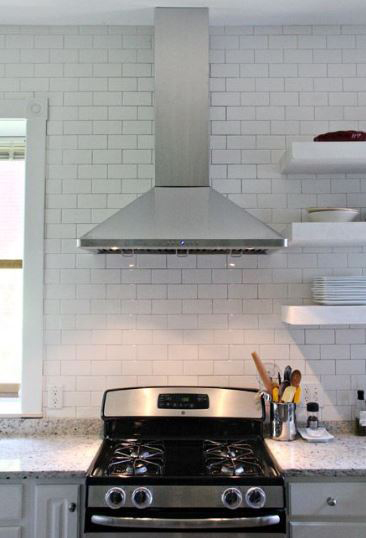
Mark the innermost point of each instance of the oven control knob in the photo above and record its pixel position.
(232, 498)
(115, 498)
(142, 497)
(255, 498)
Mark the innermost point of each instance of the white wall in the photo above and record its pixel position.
(188, 320)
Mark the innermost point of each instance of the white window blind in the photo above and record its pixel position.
(12, 148)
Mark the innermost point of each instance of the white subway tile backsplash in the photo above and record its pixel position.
(350, 336)
(319, 336)
(119, 321)
(350, 367)
(228, 367)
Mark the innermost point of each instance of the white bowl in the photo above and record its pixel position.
(333, 214)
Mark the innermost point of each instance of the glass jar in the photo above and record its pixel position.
(360, 413)
(312, 409)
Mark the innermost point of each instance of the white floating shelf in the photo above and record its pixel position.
(323, 315)
(324, 158)
(326, 234)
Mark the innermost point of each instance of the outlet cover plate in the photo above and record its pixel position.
(55, 397)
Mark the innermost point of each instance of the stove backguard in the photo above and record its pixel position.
(182, 403)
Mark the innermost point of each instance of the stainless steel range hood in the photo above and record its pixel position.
(182, 214)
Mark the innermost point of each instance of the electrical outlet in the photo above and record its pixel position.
(55, 397)
(311, 392)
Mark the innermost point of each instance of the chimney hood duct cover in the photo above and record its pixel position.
(182, 214)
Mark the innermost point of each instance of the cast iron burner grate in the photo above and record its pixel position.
(231, 458)
(135, 458)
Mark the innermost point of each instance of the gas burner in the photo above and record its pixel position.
(231, 458)
(135, 458)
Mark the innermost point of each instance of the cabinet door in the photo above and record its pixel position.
(327, 530)
(11, 500)
(10, 532)
(56, 511)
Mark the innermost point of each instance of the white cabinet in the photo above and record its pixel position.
(10, 532)
(328, 499)
(327, 509)
(36, 508)
(11, 510)
(56, 511)
(11, 501)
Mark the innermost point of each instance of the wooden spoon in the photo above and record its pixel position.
(267, 382)
(295, 379)
(295, 382)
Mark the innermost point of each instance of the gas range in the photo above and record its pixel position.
(184, 459)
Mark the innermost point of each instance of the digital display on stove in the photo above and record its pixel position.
(183, 401)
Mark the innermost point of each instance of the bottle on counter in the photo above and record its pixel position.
(312, 409)
(360, 413)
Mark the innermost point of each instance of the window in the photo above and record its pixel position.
(12, 152)
(22, 164)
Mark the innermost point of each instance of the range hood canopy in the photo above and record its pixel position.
(169, 221)
(182, 214)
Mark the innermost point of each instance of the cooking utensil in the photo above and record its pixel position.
(287, 373)
(295, 378)
(275, 394)
(297, 397)
(295, 382)
(282, 388)
(267, 382)
(288, 395)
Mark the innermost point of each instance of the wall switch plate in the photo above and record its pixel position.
(55, 397)
(311, 392)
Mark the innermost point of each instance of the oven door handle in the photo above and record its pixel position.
(196, 523)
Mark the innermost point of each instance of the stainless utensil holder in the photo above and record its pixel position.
(283, 421)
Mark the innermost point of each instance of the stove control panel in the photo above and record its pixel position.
(232, 498)
(255, 497)
(190, 496)
(183, 401)
(115, 498)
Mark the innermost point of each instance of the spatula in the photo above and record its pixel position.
(288, 395)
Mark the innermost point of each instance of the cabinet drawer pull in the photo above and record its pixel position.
(331, 501)
(72, 507)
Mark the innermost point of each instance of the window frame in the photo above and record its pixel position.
(33, 110)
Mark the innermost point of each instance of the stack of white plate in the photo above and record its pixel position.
(339, 290)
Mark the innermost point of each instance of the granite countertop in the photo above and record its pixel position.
(55, 456)
(343, 456)
(47, 456)
(66, 448)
